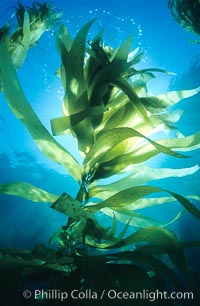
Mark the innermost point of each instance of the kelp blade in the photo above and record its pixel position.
(141, 174)
(130, 195)
(28, 191)
(23, 111)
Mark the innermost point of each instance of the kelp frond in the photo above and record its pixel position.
(110, 113)
(32, 22)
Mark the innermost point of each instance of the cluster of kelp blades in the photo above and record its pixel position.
(108, 110)
(32, 22)
(186, 13)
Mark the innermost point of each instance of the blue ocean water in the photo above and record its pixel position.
(166, 45)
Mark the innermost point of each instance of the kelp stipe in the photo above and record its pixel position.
(113, 118)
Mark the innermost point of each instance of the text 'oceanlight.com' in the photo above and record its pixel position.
(88, 294)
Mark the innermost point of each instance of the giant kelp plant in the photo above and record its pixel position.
(113, 118)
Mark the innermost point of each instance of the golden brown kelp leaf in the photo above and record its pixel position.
(97, 57)
(62, 124)
(76, 99)
(103, 78)
(130, 195)
(140, 174)
(102, 82)
(144, 153)
(42, 17)
(24, 112)
(164, 101)
(101, 151)
(100, 78)
(138, 219)
(28, 191)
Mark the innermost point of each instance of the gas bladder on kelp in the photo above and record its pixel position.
(114, 133)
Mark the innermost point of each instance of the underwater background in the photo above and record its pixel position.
(166, 45)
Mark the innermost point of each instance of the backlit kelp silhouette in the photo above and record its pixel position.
(186, 13)
(113, 118)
